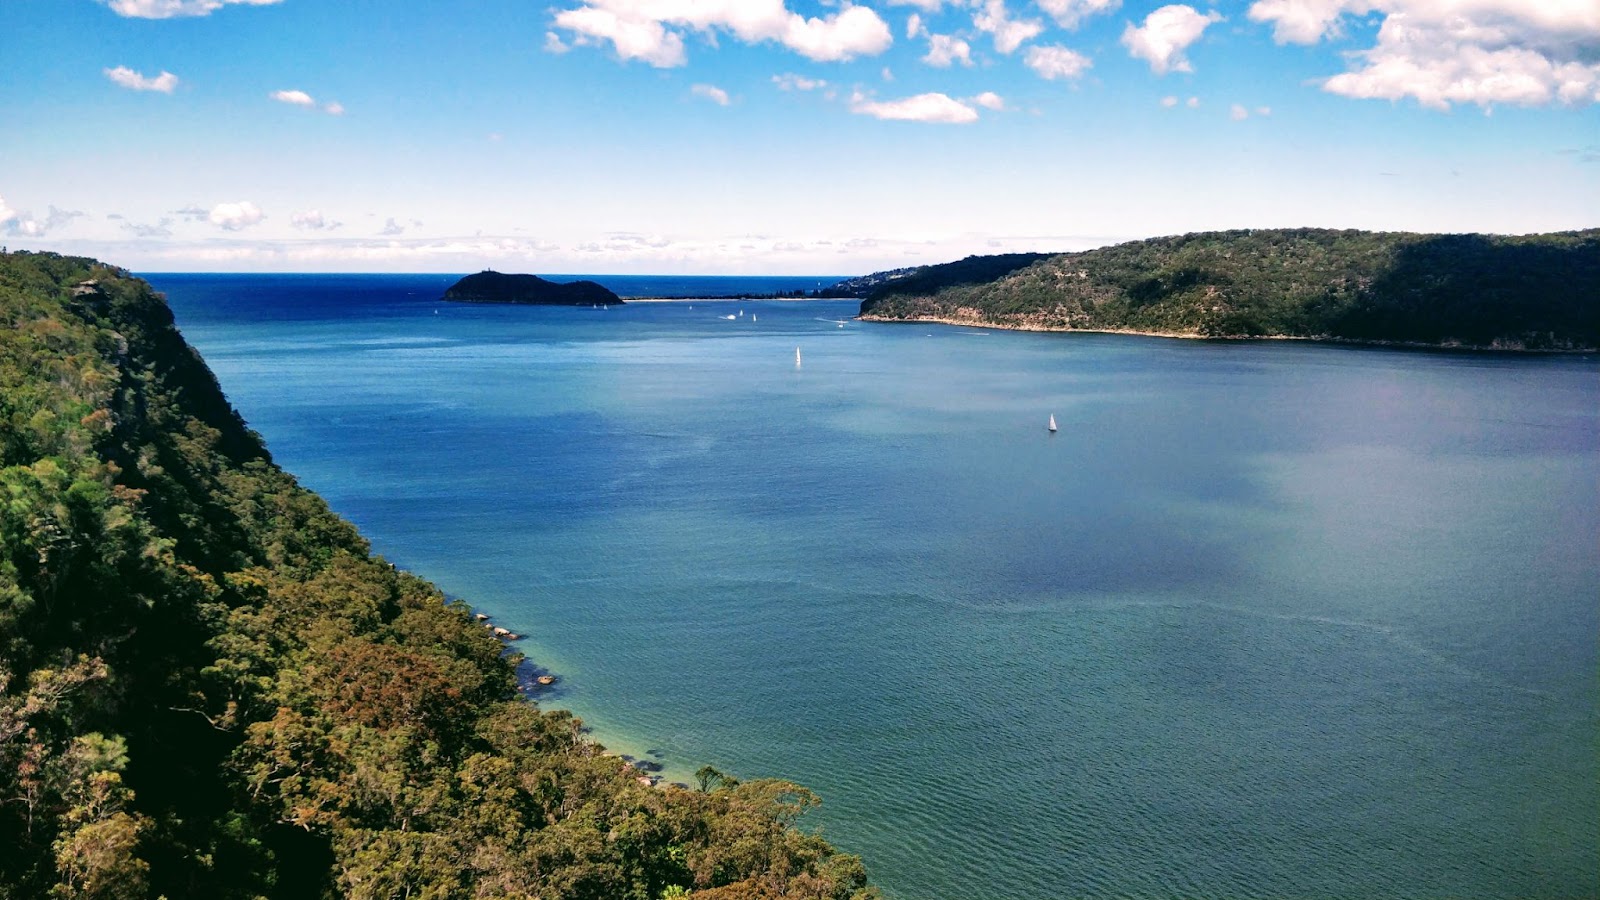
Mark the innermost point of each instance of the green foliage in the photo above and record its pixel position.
(210, 688)
(1531, 292)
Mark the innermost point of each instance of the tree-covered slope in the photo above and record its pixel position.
(1533, 292)
(210, 688)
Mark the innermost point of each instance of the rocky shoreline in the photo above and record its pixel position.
(1191, 336)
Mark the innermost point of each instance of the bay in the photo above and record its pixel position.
(1263, 619)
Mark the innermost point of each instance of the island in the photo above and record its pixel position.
(1494, 292)
(490, 286)
(210, 687)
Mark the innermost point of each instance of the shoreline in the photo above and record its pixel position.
(1185, 336)
(725, 299)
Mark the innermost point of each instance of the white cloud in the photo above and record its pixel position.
(301, 98)
(1303, 21)
(789, 81)
(235, 216)
(169, 9)
(934, 107)
(990, 100)
(21, 223)
(943, 49)
(134, 81)
(914, 27)
(1238, 113)
(293, 98)
(1008, 33)
(1053, 62)
(1165, 34)
(644, 40)
(711, 92)
(1068, 13)
(931, 6)
(312, 220)
(1169, 102)
(1192, 102)
(1442, 52)
(650, 30)
(1263, 111)
(554, 44)
(391, 228)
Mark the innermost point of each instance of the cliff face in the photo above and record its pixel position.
(496, 287)
(1512, 292)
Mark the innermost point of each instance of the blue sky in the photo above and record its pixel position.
(775, 136)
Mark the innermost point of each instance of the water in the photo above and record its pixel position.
(1262, 620)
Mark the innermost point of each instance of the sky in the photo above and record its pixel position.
(775, 136)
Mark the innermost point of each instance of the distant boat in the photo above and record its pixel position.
(1052, 423)
(730, 317)
(797, 357)
(752, 317)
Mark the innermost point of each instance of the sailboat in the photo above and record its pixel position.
(1052, 423)
(797, 357)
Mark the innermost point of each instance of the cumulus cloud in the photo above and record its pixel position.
(914, 27)
(932, 107)
(1165, 34)
(235, 216)
(392, 228)
(652, 30)
(711, 92)
(1068, 13)
(293, 98)
(1052, 62)
(931, 6)
(1442, 52)
(993, 19)
(1169, 102)
(1192, 102)
(944, 49)
(554, 44)
(990, 100)
(170, 9)
(789, 81)
(1238, 113)
(312, 220)
(303, 99)
(136, 81)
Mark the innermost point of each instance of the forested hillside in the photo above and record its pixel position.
(210, 688)
(1532, 292)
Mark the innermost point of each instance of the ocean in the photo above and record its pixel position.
(1269, 619)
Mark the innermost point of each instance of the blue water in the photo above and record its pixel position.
(1263, 620)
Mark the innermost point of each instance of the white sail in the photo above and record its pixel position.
(797, 356)
(1052, 422)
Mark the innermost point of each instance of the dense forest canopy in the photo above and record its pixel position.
(209, 687)
(1530, 292)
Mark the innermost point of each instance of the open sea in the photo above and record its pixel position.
(1263, 620)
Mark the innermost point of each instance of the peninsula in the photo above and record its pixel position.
(1531, 292)
(490, 286)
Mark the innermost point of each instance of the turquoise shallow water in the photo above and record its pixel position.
(1262, 620)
